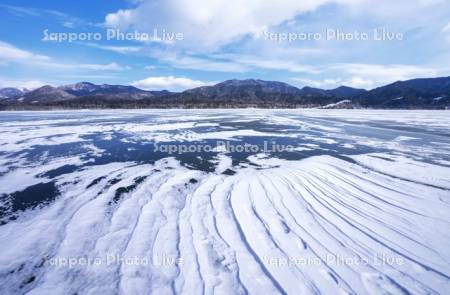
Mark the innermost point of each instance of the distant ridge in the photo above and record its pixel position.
(426, 93)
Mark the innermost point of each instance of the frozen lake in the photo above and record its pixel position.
(225, 202)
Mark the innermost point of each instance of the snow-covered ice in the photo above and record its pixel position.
(360, 205)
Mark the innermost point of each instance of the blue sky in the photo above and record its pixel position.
(224, 39)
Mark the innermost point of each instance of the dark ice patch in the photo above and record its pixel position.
(33, 196)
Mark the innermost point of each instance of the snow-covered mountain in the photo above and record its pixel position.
(433, 93)
(10, 92)
(79, 89)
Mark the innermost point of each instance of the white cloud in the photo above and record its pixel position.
(9, 53)
(117, 49)
(446, 28)
(222, 36)
(82, 66)
(23, 84)
(182, 61)
(446, 31)
(368, 76)
(358, 82)
(283, 60)
(66, 20)
(272, 63)
(99, 67)
(104, 67)
(372, 75)
(214, 23)
(122, 18)
(169, 83)
(69, 25)
(330, 75)
(393, 71)
(325, 83)
(19, 10)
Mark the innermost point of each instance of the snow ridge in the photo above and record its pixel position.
(212, 233)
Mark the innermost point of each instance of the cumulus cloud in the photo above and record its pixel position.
(214, 23)
(225, 36)
(169, 83)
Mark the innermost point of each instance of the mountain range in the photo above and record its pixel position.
(427, 93)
